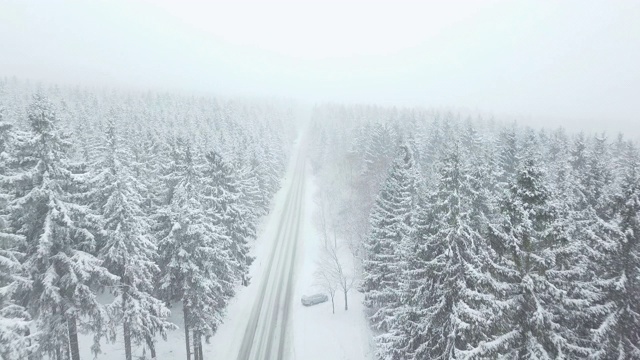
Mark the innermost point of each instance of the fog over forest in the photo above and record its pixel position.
(571, 63)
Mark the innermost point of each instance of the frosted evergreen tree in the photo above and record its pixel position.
(390, 231)
(528, 325)
(617, 336)
(59, 242)
(458, 309)
(272, 164)
(569, 271)
(379, 155)
(251, 193)
(259, 168)
(508, 151)
(195, 263)
(6, 135)
(148, 170)
(16, 339)
(584, 237)
(405, 333)
(128, 250)
(223, 200)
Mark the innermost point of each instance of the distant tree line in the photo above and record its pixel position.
(483, 240)
(151, 198)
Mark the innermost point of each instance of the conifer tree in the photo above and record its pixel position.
(390, 230)
(459, 306)
(128, 250)
(59, 238)
(194, 259)
(529, 328)
(617, 335)
(16, 339)
(223, 200)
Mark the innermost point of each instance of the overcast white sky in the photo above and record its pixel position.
(571, 63)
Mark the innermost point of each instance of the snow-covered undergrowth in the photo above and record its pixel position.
(318, 334)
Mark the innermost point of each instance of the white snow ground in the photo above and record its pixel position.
(315, 334)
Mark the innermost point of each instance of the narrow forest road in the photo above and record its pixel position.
(267, 331)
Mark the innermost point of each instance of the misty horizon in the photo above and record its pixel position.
(545, 64)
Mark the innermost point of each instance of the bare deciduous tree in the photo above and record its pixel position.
(332, 273)
(326, 281)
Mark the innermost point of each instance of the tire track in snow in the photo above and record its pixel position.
(266, 334)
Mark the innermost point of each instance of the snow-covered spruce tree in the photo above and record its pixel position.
(251, 193)
(16, 339)
(378, 156)
(459, 309)
(262, 173)
(404, 334)
(568, 269)
(586, 234)
(574, 291)
(527, 325)
(508, 154)
(128, 250)
(271, 164)
(59, 244)
(618, 336)
(148, 169)
(390, 229)
(6, 135)
(223, 201)
(194, 259)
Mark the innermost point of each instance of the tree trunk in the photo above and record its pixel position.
(185, 311)
(346, 304)
(126, 334)
(73, 337)
(31, 355)
(196, 351)
(66, 353)
(201, 356)
(152, 346)
(333, 305)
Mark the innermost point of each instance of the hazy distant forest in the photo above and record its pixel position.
(474, 239)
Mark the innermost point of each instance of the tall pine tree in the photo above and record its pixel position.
(618, 335)
(391, 227)
(195, 262)
(59, 238)
(128, 250)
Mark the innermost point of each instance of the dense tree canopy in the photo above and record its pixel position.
(517, 243)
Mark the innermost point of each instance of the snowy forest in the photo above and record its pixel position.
(319, 180)
(469, 238)
(485, 240)
(118, 207)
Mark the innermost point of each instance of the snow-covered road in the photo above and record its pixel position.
(265, 320)
(267, 334)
